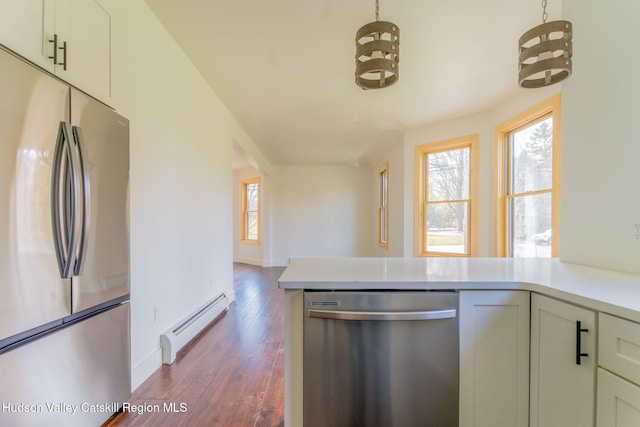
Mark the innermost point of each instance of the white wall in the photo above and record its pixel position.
(249, 253)
(181, 179)
(601, 149)
(321, 211)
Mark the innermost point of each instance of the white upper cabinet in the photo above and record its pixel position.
(85, 27)
(70, 38)
(22, 26)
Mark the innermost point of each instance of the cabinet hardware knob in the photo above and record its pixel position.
(579, 353)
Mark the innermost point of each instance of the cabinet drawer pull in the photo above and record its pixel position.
(55, 49)
(579, 353)
(64, 56)
(55, 52)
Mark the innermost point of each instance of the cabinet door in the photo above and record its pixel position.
(86, 28)
(562, 391)
(618, 401)
(494, 358)
(22, 30)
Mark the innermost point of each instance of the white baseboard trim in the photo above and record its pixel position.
(262, 263)
(250, 261)
(144, 369)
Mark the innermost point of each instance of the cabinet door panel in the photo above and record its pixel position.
(562, 392)
(86, 27)
(494, 358)
(618, 401)
(22, 29)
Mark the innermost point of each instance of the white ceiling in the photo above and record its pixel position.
(285, 68)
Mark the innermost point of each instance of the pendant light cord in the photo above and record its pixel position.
(378, 10)
(544, 11)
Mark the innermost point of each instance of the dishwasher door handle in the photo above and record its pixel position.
(383, 315)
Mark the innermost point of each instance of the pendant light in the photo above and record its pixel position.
(377, 53)
(545, 53)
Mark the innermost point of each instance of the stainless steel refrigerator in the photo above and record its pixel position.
(64, 252)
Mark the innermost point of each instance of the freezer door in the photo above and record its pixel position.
(102, 267)
(84, 378)
(32, 106)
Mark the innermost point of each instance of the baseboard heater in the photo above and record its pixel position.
(178, 336)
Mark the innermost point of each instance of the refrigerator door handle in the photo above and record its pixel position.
(64, 185)
(85, 200)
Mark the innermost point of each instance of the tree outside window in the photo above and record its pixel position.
(528, 162)
(446, 205)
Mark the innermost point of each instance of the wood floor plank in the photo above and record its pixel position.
(271, 412)
(232, 374)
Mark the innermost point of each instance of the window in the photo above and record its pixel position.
(528, 182)
(383, 209)
(251, 210)
(446, 197)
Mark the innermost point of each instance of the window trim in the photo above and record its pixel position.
(549, 107)
(383, 205)
(243, 211)
(472, 142)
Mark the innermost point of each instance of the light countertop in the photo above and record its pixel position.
(602, 290)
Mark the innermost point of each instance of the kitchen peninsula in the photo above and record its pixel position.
(501, 300)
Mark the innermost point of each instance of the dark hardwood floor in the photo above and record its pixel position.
(232, 374)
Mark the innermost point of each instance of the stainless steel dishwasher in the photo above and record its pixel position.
(380, 359)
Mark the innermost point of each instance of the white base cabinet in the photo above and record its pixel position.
(619, 375)
(494, 358)
(563, 364)
(618, 401)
